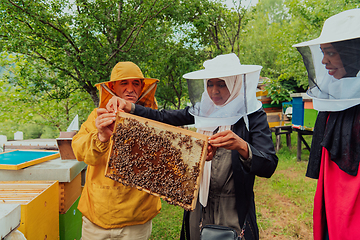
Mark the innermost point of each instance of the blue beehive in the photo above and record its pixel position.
(298, 110)
(304, 115)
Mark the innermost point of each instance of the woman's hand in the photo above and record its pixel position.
(211, 152)
(229, 140)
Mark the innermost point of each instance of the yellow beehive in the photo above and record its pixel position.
(69, 192)
(39, 206)
(160, 159)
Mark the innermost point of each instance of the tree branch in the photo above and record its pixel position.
(47, 23)
(137, 29)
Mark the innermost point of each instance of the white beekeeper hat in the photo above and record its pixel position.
(340, 27)
(330, 93)
(222, 66)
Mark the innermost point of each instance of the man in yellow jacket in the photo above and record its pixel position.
(111, 210)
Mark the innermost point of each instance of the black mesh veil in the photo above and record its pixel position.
(195, 88)
(349, 52)
(308, 62)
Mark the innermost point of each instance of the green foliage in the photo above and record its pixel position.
(287, 81)
(172, 92)
(71, 45)
(49, 132)
(267, 39)
(8, 128)
(23, 106)
(277, 92)
(56, 51)
(273, 26)
(31, 131)
(218, 28)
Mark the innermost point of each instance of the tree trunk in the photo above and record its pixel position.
(93, 94)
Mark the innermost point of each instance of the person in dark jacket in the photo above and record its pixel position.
(237, 125)
(333, 64)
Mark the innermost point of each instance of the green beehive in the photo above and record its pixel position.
(70, 223)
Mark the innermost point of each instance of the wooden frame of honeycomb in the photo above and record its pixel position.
(157, 158)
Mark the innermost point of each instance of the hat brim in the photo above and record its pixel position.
(145, 79)
(322, 40)
(210, 73)
(340, 27)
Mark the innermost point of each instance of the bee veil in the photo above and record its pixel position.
(333, 62)
(241, 81)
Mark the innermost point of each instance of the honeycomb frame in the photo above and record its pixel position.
(157, 158)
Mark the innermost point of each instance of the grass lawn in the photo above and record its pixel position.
(284, 202)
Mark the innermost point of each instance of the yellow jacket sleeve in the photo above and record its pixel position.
(86, 144)
(105, 202)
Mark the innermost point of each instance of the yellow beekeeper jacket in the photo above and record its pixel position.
(105, 202)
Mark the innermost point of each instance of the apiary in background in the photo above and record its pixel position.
(158, 158)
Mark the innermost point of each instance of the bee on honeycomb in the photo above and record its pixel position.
(151, 160)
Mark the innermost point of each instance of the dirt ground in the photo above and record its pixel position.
(279, 217)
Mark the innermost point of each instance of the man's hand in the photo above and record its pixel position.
(116, 104)
(104, 123)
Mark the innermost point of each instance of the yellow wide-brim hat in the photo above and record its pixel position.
(128, 71)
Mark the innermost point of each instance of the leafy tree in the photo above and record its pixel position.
(21, 105)
(307, 20)
(56, 51)
(219, 28)
(172, 89)
(78, 47)
(273, 26)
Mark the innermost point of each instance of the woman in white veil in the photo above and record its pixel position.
(333, 63)
(230, 113)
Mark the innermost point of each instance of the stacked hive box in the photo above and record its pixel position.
(39, 206)
(68, 173)
(273, 111)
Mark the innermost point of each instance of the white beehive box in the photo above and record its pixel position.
(10, 217)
